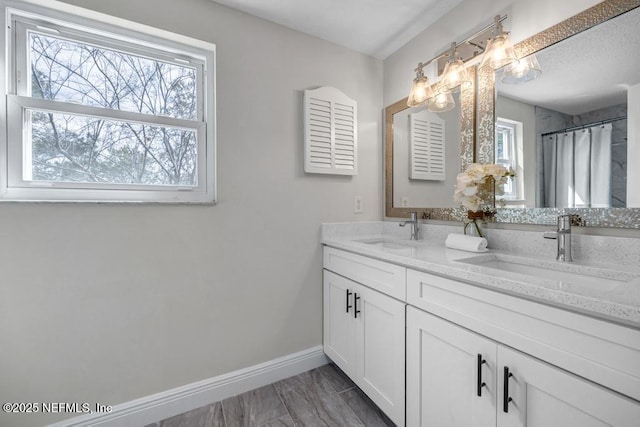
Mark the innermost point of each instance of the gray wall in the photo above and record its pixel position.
(108, 303)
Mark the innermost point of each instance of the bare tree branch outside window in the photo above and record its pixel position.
(77, 148)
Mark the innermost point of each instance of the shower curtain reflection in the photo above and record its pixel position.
(577, 168)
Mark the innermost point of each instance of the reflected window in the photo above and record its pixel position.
(508, 151)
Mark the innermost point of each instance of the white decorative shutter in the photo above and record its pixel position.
(330, 132)
(427, 148)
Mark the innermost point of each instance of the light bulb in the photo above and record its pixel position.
(526, 69)
(441, 103)
(499, 51)
(441, 100)
(454, 77)
(420, 90)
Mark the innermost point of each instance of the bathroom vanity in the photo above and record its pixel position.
(441, 337)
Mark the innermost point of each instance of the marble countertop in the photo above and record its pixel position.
(618, 300)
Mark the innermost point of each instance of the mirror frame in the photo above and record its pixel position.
(593, 217)
(467, 154)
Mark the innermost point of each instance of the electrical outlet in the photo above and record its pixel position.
(404, 202)
(357, 204)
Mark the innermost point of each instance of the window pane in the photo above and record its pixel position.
(500, 144)
(68, 71)
(68, 148)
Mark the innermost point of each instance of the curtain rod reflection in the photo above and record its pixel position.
(601, 122)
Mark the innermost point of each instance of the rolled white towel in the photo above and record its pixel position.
(466, 243)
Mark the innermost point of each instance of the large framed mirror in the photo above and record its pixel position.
(409, 185)
(573, 133)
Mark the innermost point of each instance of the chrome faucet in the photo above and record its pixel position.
(414, 225)
(563, 236)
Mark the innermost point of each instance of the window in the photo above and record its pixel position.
(102, 112)
(508, 151)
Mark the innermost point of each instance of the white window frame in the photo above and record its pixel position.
(514, 158)
(79, 24)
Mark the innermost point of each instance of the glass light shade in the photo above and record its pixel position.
(441, 103)
(420, 91)
(524, 70)
(454, 77)
(499, 52)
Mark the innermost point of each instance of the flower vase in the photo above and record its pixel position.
(471, 226)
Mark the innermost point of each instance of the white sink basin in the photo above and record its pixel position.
(564, 275)
(396, 246)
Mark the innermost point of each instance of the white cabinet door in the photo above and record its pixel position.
(338, 323)
(545, 396)
(364, 334)
(380, 351)
(442, 374)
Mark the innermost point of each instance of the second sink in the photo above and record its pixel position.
(564, 275)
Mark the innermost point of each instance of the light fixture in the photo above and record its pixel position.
(499, 51)
(454, 76)
(441, 102)
(421, 89)
(524, 70)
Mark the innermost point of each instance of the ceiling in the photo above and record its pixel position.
(374, 27)
(380, 27)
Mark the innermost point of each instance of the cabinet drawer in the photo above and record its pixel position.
(382, 276)
(604, 352)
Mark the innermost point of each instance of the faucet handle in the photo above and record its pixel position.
(413, 219)
(564, 222)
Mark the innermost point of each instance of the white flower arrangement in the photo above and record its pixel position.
(475, 186)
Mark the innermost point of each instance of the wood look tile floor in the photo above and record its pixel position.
(321, 397)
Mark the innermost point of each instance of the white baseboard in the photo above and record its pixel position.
(150, 409)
